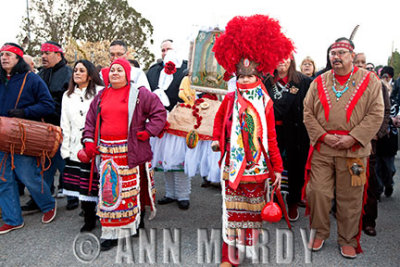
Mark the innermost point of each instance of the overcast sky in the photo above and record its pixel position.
(312, 24)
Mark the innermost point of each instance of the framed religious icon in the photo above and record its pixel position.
(206, 72)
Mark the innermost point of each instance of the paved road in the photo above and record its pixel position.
(52, 245)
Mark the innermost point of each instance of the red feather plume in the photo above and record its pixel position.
(258, 38)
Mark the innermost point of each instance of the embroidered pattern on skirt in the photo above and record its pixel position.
(127, 213)
(242, 212)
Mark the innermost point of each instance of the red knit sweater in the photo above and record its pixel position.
(114, 112)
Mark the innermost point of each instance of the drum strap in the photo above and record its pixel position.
(21, 89)
(3, 162)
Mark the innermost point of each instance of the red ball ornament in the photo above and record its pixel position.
(271, 212)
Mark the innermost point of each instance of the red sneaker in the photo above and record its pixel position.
(8, 228)
(49, 216)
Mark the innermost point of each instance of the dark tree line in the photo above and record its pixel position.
(87, 21)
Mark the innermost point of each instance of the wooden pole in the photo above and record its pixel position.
(209, 90)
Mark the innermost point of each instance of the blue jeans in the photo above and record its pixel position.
(29, 174)
(57, 163)
(385, 171)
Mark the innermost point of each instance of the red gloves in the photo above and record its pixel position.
(143, 135)
(83, 157)
(91, 149)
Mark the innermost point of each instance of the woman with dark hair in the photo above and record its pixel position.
(287, 89)
(83, 86)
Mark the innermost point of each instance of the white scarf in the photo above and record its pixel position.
(165, 80)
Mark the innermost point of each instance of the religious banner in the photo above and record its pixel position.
(206, 72)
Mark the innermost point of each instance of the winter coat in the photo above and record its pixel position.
(35, 98)
(58, 84)
(149, 115)
(73, 115)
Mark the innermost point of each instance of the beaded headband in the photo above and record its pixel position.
(342, 45)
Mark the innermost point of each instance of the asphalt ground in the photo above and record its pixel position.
(53, 244)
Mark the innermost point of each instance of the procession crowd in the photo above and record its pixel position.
(323, 139)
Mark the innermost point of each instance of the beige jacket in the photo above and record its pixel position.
(324, 112)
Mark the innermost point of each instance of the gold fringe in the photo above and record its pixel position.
(127, 172)
(113, 150)
(245, 206)
(118, 214)
(129, 193)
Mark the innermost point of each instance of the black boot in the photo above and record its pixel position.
(30, 207)
(141, 223)
(89, 209)
(108, 244)
(72, 203)
(142, 214)
(205, 182)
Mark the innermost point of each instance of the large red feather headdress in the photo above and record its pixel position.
(257, 38)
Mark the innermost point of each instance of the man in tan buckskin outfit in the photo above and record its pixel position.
(343, 111)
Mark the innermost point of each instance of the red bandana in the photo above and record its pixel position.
(342, 45)
(12, 49)
(46, 47)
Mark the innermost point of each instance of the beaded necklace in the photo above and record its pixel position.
(345, 86)
(279, 93)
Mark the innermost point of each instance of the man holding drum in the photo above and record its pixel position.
(22, 95)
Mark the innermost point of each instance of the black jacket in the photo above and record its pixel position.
(291, 133)
(395, 95)
(153, 75)
(57, 80)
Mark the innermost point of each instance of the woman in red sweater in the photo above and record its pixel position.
(118, 125)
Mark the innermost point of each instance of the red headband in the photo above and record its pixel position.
(46, 47)
(12, 49)
(342, 45)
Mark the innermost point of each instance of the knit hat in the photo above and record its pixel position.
(125, 64)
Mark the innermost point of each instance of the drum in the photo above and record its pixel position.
(30, 138)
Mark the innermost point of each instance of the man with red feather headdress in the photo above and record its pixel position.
(244, 126)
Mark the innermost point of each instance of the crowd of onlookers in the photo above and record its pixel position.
(107, 115)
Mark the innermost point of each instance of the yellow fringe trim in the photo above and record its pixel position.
(244, 206)
(126, 172)
(113, 150)
(130, 193)
(118, 214)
